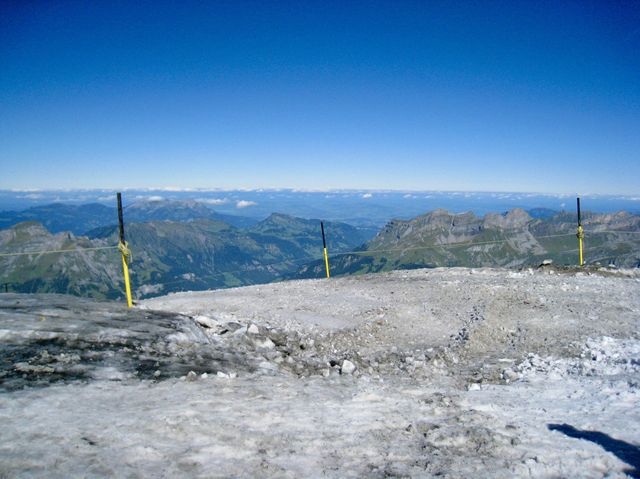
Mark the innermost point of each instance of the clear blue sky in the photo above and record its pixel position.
(486, 96)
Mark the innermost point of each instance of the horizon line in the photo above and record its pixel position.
(175, 189)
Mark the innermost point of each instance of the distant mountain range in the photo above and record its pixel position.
(79, 219)
(513, 239)
(180, 248)
(167, 255)
(360, 208)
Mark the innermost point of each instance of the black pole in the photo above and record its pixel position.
(6, 287)
(324, 242)
(579, 218)
(120, 220)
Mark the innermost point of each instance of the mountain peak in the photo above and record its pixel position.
(515, 218)
(32, 228)
(439, 212)
(280, 217)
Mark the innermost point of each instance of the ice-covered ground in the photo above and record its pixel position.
(447, 372)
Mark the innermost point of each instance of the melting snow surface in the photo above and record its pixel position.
(445, 373)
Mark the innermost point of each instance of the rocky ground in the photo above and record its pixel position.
(445, 372)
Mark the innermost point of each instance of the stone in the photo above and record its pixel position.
(253, 329)
(347, 367)
(206, 322)
(265, 343)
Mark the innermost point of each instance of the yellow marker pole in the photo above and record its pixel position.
(126, 254)
(127, 284)
(324, 246)
(580, 234)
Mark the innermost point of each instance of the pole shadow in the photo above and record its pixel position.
(625, 451)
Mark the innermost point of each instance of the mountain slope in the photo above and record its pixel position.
(181, 210)
(306, 234)
(201, 254)
(167, 255)
(83, 273)
(513, 239)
